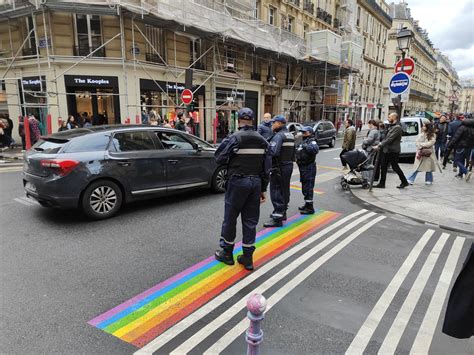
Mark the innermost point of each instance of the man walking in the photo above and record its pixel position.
(348, 142)
(282, 151)
(462, 142)
(180, 123)
(306, 160)
(391, 150)
(245, 154)
(441, 130)
(265, 128)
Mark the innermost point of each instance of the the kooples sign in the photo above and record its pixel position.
(33, 83)
(91, 81)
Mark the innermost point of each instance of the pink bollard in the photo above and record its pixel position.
(256, 305)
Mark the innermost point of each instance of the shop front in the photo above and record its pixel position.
(96, 96)
(33, 100)
(296, 104)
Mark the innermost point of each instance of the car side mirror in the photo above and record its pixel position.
(198, 148)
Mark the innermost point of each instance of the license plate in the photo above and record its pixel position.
(30, 186)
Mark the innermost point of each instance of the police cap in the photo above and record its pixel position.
(307, 129)
(279, 118)
(245, 113)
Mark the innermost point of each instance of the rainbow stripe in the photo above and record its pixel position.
(144, 317)
(316, 191)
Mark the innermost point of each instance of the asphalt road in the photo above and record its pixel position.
(350, 279)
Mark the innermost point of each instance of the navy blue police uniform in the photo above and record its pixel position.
(306, 159)
(265, 129)
(248, 161)
(282, 150)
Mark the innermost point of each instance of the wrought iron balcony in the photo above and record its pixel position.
(308, 6)
(154, 58)
(82, 51)
(294, 2)
(29, 51)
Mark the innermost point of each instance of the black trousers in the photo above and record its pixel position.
(391, 158)
(343, 161)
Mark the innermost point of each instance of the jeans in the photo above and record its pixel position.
(460, 157)
(440, 148)
(428, 176)
(391, 158)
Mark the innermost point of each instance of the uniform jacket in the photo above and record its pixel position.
(425, 163)
(393, 137)
(276, 144)
(265, 129)
(464, 136)
(349, 138)
(373, 138)
(306, 151)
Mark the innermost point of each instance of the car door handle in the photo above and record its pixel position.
(172, 161)
(123, 163)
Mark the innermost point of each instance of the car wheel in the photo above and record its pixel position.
(219, 179)
(102, 199)
(333, 142)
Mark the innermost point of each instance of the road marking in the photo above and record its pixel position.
(230, 336)
(335, 149)
(298, 188)
(390, 343)
(144, 317)
(207, 330)
(326, 177)
(172, 332)
(363, 336)
(329, 167)
(11, 169)
(23, 202)
(428, 326)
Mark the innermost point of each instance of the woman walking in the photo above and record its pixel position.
(425, 159)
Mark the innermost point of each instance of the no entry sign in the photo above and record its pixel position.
(399, 83)
(408, 66)
(187, 96)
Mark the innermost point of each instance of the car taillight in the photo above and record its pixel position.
(60, 166)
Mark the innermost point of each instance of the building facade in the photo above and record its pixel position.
(466, 97)
(445, 78)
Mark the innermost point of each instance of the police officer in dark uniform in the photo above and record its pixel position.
(282, 150)
(306, 159)
(248, 161)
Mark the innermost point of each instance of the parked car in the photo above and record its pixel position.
(98, 169)
(324, 131)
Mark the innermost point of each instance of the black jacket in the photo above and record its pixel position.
(393, 137)
(441, 131)
(464, 136)
(265, 129)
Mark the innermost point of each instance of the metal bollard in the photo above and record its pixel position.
(256, 305)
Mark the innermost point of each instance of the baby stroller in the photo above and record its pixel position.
(360, 163)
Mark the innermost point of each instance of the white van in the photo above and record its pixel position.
(411, 130)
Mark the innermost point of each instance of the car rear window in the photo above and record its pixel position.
(88, 143)
(410, 128)
(49, 145)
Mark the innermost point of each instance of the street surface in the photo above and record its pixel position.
(350, 278)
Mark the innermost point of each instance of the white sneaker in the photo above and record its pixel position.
(410, 182)
(428, 183)
(468, 176)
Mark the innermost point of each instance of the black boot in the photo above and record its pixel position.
(308, 208)
(284, 218)
(225, 256)
(246, 260)
(273, 223)
(301, 208)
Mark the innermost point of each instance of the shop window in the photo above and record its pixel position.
(155, 43)
(88, 35)
(133, 141)
(174, 141)
(30, 45)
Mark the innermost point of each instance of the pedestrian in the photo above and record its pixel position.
(390, 146)
(454, 125)
(9, 129)
(246, 155)
(153, 121)
(87, 122)
(5, 140)
(35, 131)
(265, 128)
(359, 124)
(378, 153)
(62, 126)
(425, 154)
(306, 159)
(348, 142)
(462, 143)
(144, 117)
(71, 122)
(180, 123)
(21, 133)
(441, 130)
(282, 151)
(373, 137)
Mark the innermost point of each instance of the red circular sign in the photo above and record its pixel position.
(187, 96)
(408, 66)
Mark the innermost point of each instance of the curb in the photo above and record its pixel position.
(443, 226)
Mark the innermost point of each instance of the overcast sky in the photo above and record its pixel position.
(450, 24)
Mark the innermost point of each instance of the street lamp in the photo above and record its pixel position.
(455, 87)
(404, 38)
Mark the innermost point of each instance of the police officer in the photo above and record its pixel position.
(306, 159)
(282, 151)
(245, 154)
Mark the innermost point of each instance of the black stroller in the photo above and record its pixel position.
(360, 163)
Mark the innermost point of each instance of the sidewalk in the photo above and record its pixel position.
(11, 157)
(449, 202)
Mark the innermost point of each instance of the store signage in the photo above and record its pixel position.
(408, 66)
(44, 42)
(91, 81)
(399, 83)
(187, 96)
(33, 83)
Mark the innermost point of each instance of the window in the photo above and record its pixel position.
(305, 30)
(358, 16)
(291, 21)
(255, 65)
(271, 15)
(256, 12)
(89, 143)
(194, 49)
(133, 141)
(155, 43)
(49, 146)
(175, 141)
(31, 42)
(198, 142)
(410, 128)
(88, 35)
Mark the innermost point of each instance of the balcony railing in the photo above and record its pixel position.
(198, 65)
(154, 58)
(323, 15)
(294, 2)
(379, 10)
(29, 51)
(308, 6)
(82, 51)
(256, 76)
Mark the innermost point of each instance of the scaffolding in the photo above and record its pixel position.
(219, 23)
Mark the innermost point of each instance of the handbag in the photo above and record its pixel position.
(426, 152)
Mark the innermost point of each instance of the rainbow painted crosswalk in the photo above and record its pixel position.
(298, 188)
(147, 315)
